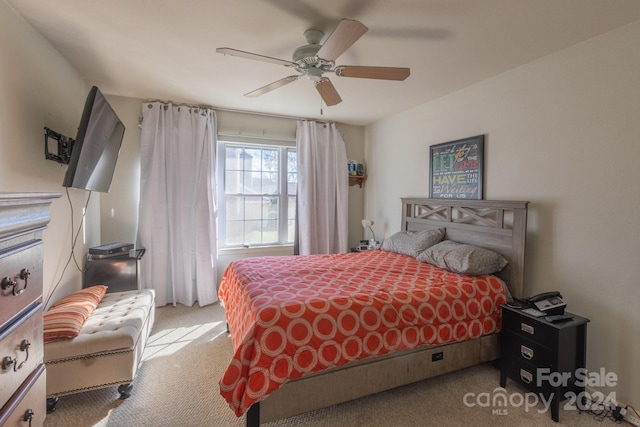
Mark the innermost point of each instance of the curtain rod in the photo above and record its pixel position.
(231, 110)
(277, 116)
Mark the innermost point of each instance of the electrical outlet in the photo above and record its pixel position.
(631, 418)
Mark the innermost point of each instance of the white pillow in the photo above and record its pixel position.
(463, 259)
(412, 243)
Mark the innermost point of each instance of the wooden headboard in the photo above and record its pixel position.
(493, 224)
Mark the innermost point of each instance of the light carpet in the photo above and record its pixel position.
(189, 349)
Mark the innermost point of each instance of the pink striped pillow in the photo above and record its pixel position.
(65, 318)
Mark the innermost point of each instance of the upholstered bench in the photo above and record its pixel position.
(106, 352)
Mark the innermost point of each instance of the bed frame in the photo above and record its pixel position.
(497, 225)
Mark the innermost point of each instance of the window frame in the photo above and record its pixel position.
(283, 146)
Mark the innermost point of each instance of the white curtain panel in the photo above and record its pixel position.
(176, 223)
(323, 186)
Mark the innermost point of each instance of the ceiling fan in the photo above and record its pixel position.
(314, 59)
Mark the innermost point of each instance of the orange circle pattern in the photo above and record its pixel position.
(291, 316)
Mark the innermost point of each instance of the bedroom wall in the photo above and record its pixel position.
(119, 207)
(563, 133)
(39, 88)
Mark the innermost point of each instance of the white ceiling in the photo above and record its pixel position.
(165, 49)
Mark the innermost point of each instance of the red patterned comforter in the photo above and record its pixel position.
(291, 316)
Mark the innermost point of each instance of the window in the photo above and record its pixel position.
(258, 204)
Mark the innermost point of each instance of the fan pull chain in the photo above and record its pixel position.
(321, 112)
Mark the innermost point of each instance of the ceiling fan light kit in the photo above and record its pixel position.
(313, 60)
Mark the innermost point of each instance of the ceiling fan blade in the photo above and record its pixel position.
(272, 86)
(346, 33)
(328, 92)
(381, 73)
(255, 56)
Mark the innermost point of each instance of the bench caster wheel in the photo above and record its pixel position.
(125, 390)
(51, 404)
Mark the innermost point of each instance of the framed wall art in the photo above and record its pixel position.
(457, 169)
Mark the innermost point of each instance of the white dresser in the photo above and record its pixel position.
(23, 217)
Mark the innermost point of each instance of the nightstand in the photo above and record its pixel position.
(543, 356)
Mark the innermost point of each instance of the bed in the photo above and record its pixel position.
(275, 375)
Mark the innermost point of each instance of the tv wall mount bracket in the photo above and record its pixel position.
(63, 147)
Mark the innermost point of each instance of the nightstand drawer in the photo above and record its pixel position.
(527, 375)
(530, 328)
(523, 349)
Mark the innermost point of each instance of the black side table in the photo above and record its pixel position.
(543, 356)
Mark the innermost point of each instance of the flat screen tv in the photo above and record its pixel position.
(95, 150)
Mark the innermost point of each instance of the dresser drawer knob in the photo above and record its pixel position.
(8, 360)
(28, 416)
(8, 282)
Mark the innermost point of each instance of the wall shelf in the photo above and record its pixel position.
(357, 180)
